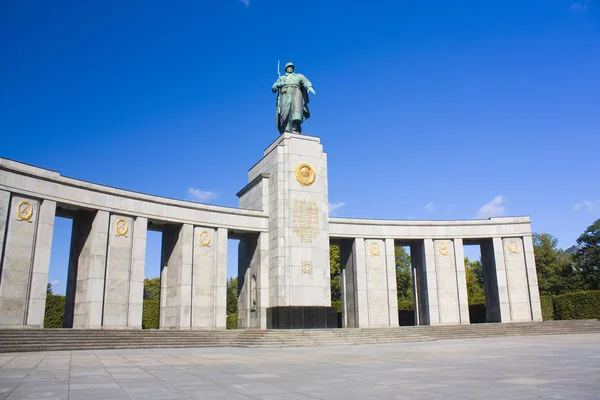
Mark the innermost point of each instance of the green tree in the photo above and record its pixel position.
(151, 288)
(554, 271)
(404, 285)
(232, 295)
(587, 258)
(474, 277)
(334, 268)
(49, 289)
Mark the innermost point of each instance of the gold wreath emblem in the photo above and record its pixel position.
(374, 249)
(443, 248)
(305, 174)
(512, 247)
(204, 238)
(121, 227)
(24, 211)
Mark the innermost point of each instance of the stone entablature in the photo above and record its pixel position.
(50, 185)
(396, 229)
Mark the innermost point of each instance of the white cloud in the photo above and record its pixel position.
(335, 206)
(429, 206)
(579, 5)
(246, 2)
(494, 208)
(201, 195)
(55, 283)
(588, 206)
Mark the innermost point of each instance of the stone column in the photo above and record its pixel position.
(490, 284)
(27, 226)
(390, 255)
(136, 283)
(118, 271)
(253, 281)
(175, 312)
(124, 285)
(349, 317)
(447, 282)
(534, 292)
(209, 278)
(221, 280)
(4, 211)
(379, 259)
(518, 281)
(90, 270)
(419, 273)
(429, 286)
(501, 281)
(461, 280)
(41, 265)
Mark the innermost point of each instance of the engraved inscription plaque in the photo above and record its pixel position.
(306, 220)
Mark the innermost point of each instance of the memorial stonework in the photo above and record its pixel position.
(292, 180)
(284, 234)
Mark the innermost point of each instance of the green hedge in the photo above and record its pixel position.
(405, 304)
(150, 314)
(577, 305)
(547, 307)
(55, 311)
(232, 321)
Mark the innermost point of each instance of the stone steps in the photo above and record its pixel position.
(23, 340)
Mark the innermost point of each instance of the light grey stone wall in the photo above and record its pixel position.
(380, 261)
(299, 261)
(448, 267)
(349, 312)
(209, 278)
(175, 313)
(501, 281)
(392, 306)
(534, 293)
(461, 282)
(430, 289)
(194, 278)
(136, 282)
(25, 261)
(4, 210)
(420, 289)
(221, 280)
(516, 278)
(253, 279)
(41, 265)
(246, 249)
(124, 284)
(17, 264)
(490, 282)
(105, 279)
(118, 274)
(90, 271)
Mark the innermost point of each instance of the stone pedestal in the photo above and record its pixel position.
(290, 184)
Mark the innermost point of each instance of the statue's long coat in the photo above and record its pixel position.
(292, 101)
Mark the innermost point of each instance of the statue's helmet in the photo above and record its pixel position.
(290, 64)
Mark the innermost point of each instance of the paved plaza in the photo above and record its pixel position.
(548, 367)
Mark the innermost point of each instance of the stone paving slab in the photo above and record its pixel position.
(541, 367)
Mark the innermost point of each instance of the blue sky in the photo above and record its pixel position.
(427, 110)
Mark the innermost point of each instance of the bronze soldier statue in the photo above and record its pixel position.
(292, 100)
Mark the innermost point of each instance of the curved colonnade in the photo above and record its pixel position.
(108, 247)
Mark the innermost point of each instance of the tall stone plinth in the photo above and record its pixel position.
(290, 184)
